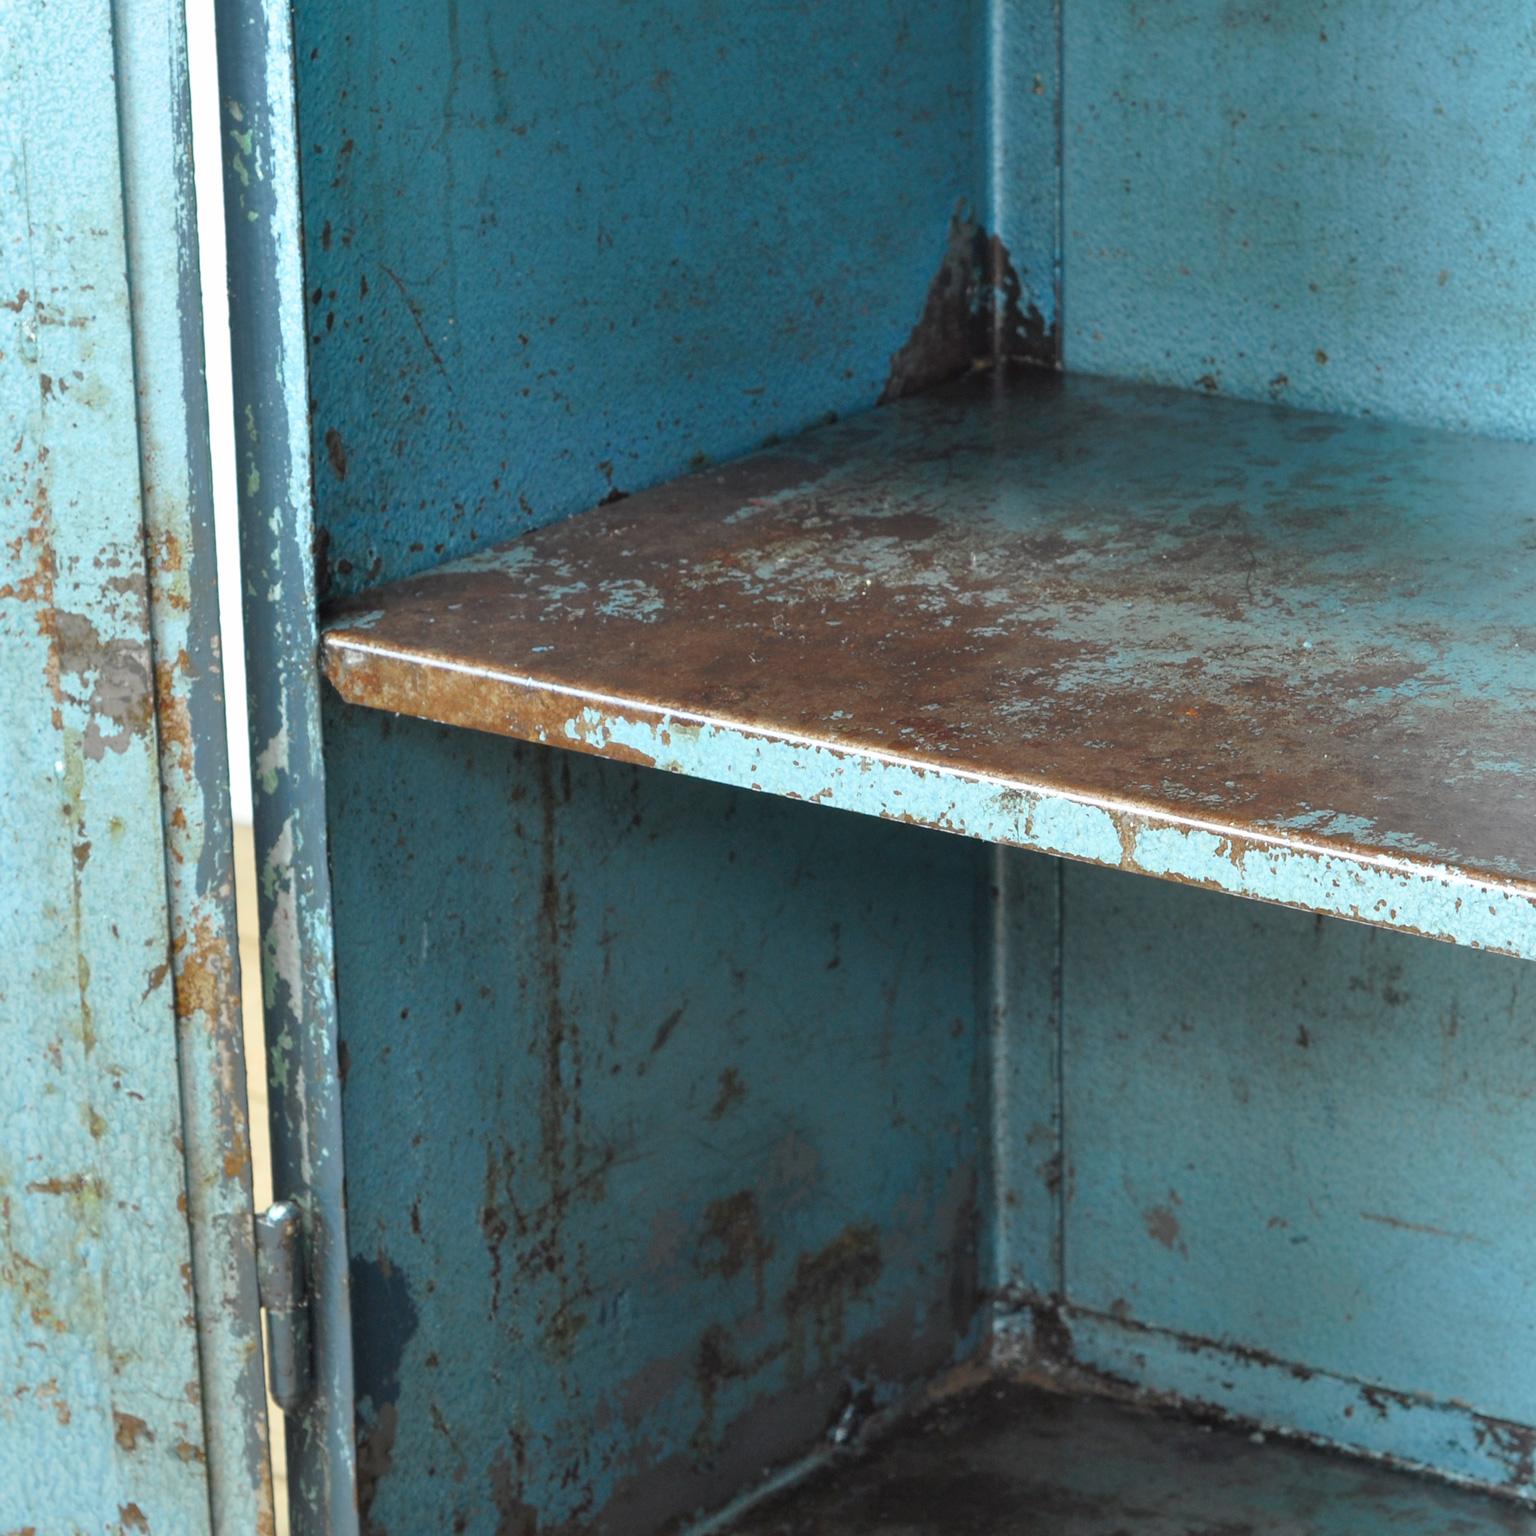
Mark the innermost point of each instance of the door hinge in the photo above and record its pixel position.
(281, 1286)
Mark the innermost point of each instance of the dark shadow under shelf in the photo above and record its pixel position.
(1280, 654)
(1008, 1460)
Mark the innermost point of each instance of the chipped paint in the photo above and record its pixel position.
(277, 542)
(984, 1457)
(113, 1313)
(194, 778)
(466, 396)
(910, 615)
(613, 1001)
(636, 1301)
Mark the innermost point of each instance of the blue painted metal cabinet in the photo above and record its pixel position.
(1090, 440)
(130, 1369)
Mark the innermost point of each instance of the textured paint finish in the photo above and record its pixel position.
(1021, 144)
(1289, 1140)
(634, 1249)
(556, 252)
(277, 551)
(553, 256)
(1324, 202)
(1275, 652)
(101, 1421)
(154, 112)
(1001, 1459)
(1326, 205)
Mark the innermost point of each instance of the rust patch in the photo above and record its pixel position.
(732, 1091)
(1163, 1225)
(1122, 648)
(336, 453)
(204, 972)
(132, 1517)
(974, 311)
(73, 1184)
(1514, 1445)
(733, 1240)
(514, 1516)
(825, 1283)
(128, 1429)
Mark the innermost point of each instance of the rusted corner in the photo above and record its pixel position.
(976, 311)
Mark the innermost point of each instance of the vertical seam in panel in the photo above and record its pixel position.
(1060, 239)
(1059, 1009)
(992, 178)
(998, 1142)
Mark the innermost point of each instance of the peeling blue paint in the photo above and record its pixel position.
(115, 1316)
(602, 279)
(277, 545)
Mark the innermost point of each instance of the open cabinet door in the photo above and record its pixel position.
(130, 1364)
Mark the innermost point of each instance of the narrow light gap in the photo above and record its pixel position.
(208, 163)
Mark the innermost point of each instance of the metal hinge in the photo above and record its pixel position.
(281, 1286)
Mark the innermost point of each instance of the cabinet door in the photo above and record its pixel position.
(130, 1365)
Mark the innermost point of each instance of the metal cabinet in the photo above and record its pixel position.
(880, 636)
(130, 1368)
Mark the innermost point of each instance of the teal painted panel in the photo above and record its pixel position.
(1325, 202)
(637, 239)
(1306, 1144)
(663, 1120)
(155, 116)
(1327, 205)
(559, 252)
(101, 1415)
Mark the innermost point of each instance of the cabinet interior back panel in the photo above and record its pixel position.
(1328, 202)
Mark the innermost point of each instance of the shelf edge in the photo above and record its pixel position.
(1430, 900)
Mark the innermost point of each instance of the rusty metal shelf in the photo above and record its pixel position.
(1279, 654)
(1005, 1459)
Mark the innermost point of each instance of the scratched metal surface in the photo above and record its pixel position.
(1292, 1181)
(1270, 651)
(1325, 205)
(101, 1415)
(154, 112)
(1002, 1459)
(663, 1128)
(1326, 202)
(277, 545)
(552, 253)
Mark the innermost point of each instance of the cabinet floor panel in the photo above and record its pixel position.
(1285, 655)
(1009, 1460)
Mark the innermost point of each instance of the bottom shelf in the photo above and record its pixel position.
(1009, 1460)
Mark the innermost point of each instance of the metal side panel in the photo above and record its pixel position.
(693, 1078)
(277, 550)
(154, 112)
(102, 1414)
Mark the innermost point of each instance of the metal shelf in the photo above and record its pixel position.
(1279, 654)
(1006, 1460)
